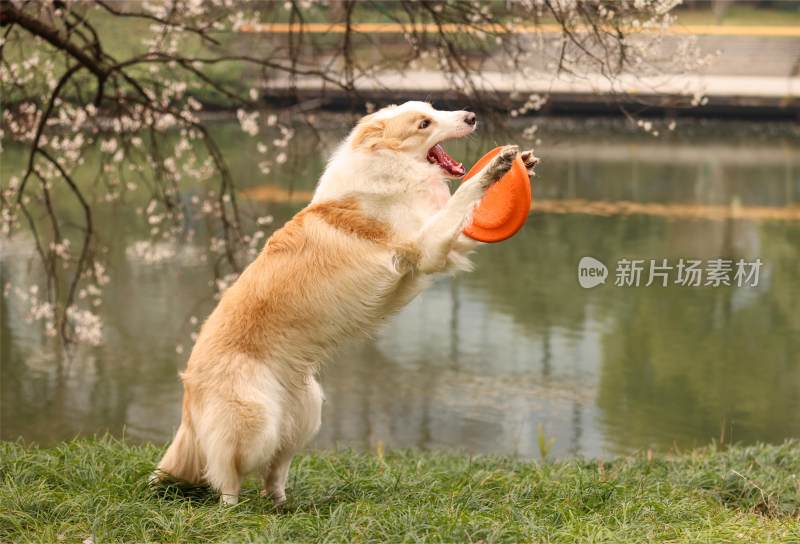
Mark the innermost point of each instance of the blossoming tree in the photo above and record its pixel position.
(72, 94)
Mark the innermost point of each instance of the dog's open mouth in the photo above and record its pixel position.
(437, 155)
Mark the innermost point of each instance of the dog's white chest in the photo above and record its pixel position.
(440, 194)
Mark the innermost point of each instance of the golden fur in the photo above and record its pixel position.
(394, 133)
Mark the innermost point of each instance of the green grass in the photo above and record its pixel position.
(98, 488)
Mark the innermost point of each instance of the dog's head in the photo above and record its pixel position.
(417, 130)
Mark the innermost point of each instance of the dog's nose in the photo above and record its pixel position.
(470, 118)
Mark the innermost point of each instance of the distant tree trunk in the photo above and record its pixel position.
(337, 10)
(720, 8)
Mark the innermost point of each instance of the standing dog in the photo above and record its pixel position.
(381, 222)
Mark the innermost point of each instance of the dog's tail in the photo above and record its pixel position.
(183, 460)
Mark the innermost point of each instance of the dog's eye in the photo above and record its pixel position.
(425, 123)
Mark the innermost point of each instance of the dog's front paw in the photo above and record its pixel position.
(529, 160)
(500, 164)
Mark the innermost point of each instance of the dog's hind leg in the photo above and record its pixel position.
(307, 417)
(222, 436)
(275, 477)
(440, 232)
(223, 475)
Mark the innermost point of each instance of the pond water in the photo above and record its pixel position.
(491, 361)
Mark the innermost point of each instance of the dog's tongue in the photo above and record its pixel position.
(438, 155)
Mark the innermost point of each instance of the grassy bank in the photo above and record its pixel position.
(98, 488)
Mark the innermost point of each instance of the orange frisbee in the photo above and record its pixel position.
(504, 208)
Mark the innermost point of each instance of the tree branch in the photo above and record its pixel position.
(11, 15)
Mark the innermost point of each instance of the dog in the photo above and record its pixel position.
(381, 223)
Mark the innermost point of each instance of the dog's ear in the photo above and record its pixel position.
(369, 133)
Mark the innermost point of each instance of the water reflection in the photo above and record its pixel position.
(478, 362)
